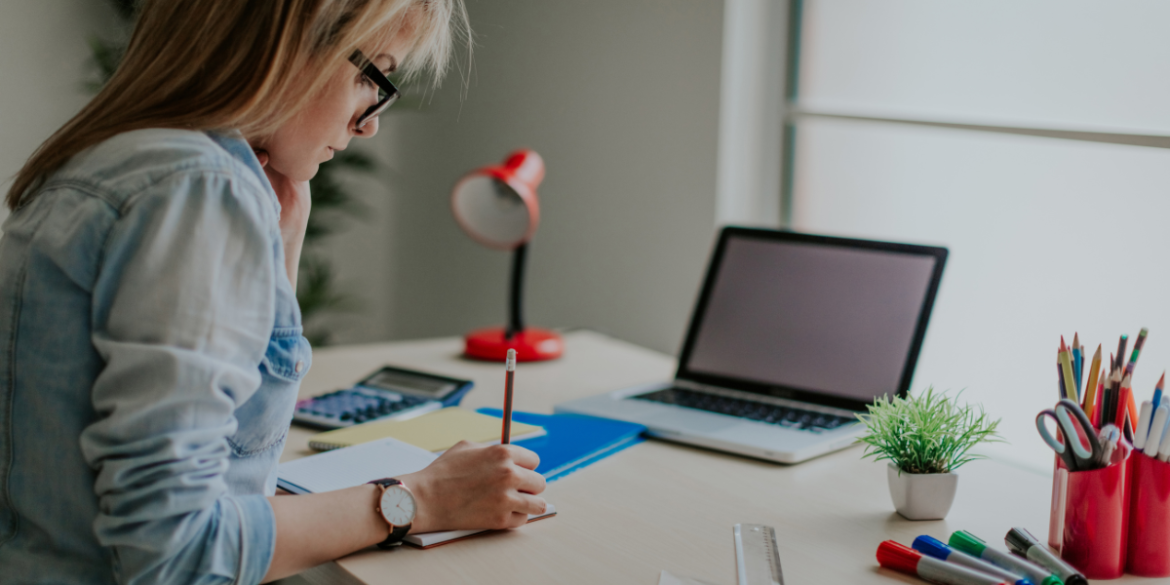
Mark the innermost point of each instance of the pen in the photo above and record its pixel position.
(1021, 542)
(1108, 439)
(929, 545)
(510, 369)
(904, 559)
(974, 546)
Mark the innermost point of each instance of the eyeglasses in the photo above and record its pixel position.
(387, 92)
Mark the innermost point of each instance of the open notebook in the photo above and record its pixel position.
(353, 466)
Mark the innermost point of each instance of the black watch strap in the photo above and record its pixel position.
(399, 532)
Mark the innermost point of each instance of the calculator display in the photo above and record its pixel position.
(400, 381)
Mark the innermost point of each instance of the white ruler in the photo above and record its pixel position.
(757, 560)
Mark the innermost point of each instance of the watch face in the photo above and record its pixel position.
(398, 505)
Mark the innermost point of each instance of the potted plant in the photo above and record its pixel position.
(925, 439)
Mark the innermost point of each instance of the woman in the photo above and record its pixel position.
(152, 342)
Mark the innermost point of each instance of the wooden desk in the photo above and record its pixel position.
(664, 506)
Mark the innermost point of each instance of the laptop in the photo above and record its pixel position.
(792, 336)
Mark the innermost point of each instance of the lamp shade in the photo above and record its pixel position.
(497, 205)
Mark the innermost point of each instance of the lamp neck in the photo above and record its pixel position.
(516, 292)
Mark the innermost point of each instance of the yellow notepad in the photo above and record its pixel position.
(435, 431)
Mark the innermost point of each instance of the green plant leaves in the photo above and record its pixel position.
(927, 434)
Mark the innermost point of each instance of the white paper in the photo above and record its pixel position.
(353, 466)
(432, 538)
(665, 578)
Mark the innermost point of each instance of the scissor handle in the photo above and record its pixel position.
(1056, 445)
(1066, 406)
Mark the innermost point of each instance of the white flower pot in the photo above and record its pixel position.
(922, 496)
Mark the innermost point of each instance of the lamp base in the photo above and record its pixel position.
(532, 344)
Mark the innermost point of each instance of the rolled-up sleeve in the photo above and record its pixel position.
(183, 312)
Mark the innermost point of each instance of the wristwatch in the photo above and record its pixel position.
(397, 507)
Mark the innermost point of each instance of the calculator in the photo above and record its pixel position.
(388, 394)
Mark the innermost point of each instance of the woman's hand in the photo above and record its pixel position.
(474, 487)
(295, 202)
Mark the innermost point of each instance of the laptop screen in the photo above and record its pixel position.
(826, 320)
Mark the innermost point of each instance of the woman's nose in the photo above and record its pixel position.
(367, 131)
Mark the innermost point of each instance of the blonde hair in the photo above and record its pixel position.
(244, 64)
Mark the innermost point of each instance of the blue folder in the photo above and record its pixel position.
(573, 440)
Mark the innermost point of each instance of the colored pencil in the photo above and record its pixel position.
(1078, 360)
(1070, 391)
(1158, 390)
(1091, 387)
(1121, 343)
(1123, 399)
(1137, 350)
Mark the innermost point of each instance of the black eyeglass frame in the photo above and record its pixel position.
(370, 70)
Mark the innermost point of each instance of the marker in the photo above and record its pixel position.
(904, 559)
(1154, 440)
(1164, 449)
(1109, 438)
(932, 546)
(1143, 427)
(1022, 542)
(974, 546)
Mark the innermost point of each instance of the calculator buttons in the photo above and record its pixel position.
(358, 405)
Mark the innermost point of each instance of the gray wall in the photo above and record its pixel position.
(44, 54)
(621, 98)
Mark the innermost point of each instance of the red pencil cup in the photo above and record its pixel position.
(1149, 512)
(1096, 513)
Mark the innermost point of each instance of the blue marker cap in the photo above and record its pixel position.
(929, 545)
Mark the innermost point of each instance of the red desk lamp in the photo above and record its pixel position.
(497, 207)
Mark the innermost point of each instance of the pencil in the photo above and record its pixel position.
(1091, 387)
(1123, 399)
(1137, 350)
(510, 374)
(1121, 343)
(1077, 362)
(1070, 390)
(1158, 390)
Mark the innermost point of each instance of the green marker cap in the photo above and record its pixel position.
(970, 544)
(1052, 580)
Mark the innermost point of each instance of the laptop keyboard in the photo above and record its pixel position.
(805, 420)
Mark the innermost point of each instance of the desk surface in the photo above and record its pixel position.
(661, 506)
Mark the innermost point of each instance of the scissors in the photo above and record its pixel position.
(1076, 457)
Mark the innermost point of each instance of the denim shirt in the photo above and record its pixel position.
(151, 355)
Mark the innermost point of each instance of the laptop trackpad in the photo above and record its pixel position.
(691, 422)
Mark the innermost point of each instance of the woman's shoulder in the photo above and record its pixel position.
(141, 163)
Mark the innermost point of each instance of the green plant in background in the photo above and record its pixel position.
(927, 434)
(317, 291)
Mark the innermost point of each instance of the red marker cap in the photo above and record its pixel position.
(899, 557)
